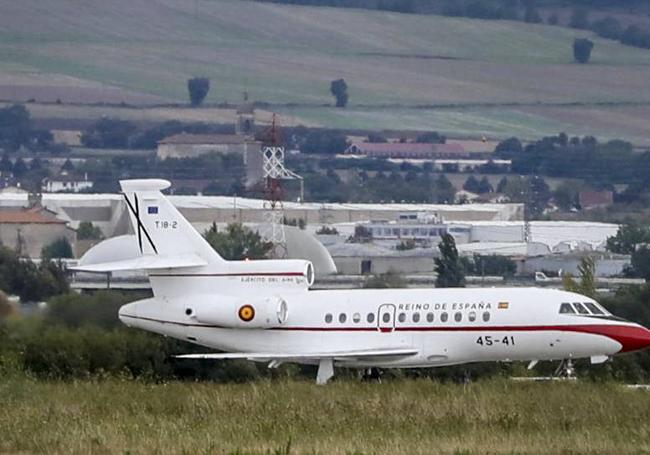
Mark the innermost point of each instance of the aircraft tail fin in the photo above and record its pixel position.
(160, 229)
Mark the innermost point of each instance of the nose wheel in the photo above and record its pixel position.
(565, 370)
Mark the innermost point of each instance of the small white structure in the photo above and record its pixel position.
(67, 183)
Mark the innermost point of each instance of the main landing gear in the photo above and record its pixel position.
(372, 375)
(565, 370)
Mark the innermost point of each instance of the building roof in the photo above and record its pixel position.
(35, 215)
(590, 199)
(406, 149)
(204, 139)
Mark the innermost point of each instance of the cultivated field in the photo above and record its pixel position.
(153, 113)
(415, 417)
(530, 121)
(143, 51)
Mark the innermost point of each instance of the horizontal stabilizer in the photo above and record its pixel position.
(336, 355)
(144, 263)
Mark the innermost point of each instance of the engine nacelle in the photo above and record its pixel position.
(241, 313)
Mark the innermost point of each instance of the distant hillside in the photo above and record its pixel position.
(289, 54)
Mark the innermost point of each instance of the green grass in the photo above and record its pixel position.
(495, 416)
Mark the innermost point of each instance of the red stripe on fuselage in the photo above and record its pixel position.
(185, 275)
(631, 337)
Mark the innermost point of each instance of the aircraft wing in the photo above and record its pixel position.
(143, 263)
(336, 355)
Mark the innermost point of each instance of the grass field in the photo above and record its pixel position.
(144, 51)
(418, 417)
(530, 122)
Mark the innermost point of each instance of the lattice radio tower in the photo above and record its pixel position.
(274, 173)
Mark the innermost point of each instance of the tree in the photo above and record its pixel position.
(579, 19)
(553, 19)
(641, 262)
(608, 27)
(405, 245)
(109, 133)
(582, 48)
(68, 166)
(443, 190)
(566, 195)
(237, 243)
(5, 164)
(509, 148)
(501, 186)
(448, 267)
(19, 168)
(58, 249)
(86, 231)
(484, 186)
(30, 282)
(491, 265)
(539, 196)
(471, 184)
(15, 126)
(339, 89)
(432, 137)
(361, 234)
(587, 285)
(531, 15)
(377, 138)
(198, 88)
(627, 237)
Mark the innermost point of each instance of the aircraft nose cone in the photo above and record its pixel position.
(633, 338)
(128, 313)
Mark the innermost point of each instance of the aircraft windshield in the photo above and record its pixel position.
(591, 308)
(580, 307)
(566, 308)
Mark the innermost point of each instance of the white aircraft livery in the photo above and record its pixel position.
(264, 311)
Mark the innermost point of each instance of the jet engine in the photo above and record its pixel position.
(241, 313)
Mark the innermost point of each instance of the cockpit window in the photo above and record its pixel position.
(593, 308)
(566, 308)
(580, 307)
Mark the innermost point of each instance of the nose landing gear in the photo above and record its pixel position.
(565, 370)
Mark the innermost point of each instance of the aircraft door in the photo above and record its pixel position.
(386, 318)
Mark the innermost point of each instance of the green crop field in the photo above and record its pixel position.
(144, 51)
(400, 416)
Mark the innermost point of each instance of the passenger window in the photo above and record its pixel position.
(342, 318)
(580, 307)
(429, 317)
(386, 317)
(566, 308)
(328, 318)
(486, 316)
(416, 317)
(371, 317)
(444, 317)
(401, 317)
(472, 316)
(593, 308)
(458, 317)
(356, 317)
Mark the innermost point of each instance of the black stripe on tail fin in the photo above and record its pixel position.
(136, 213)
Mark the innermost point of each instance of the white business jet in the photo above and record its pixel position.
(264, 311)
